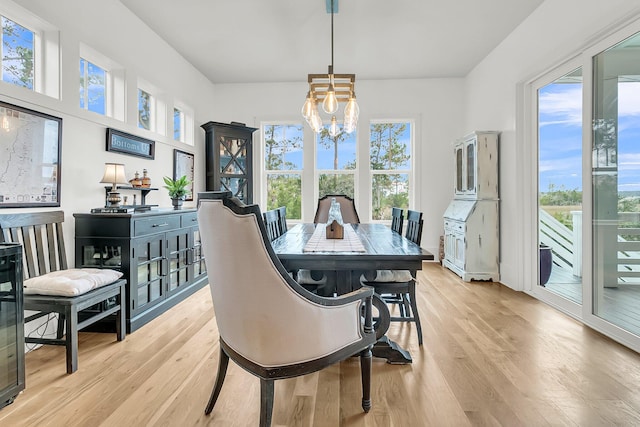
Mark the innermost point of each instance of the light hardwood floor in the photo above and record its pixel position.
(491, 356)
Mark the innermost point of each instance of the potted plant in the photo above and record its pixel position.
(177, 189)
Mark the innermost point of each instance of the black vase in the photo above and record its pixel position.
(546, 262)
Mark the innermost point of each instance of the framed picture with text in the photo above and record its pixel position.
(183, 164)
(132, 145)
(30, 150)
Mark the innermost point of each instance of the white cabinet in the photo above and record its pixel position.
(471, 222)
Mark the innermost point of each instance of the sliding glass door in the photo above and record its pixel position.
(616, 184)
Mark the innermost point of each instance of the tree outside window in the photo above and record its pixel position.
(178, 125)
(283, 146)
(336, 163)
(93, 87)
(390, 161)
(17, 54)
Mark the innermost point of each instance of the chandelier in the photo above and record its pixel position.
(329, 90)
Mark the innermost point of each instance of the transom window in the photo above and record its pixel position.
(178, 125)
(146, 110)
(18, 46)
(93, 87)
(390, 163)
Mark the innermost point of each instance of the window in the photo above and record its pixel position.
(336, 163)
(146, 110)
(30, 57)
(17, 54)
(283, 155)
(178, 125)
(93, 87)
(390, 160)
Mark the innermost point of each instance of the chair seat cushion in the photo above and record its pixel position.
(71, 282)
(305, 277)
(392, 276)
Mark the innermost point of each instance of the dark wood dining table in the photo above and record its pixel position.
(384, 249)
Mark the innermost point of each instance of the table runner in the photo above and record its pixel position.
(319, 242)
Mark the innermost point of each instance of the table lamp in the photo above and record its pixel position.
(114, 175)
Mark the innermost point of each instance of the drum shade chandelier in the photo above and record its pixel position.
(329, 90)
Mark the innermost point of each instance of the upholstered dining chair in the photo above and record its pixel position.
(347, 208)
(399, 286)
(268, 324)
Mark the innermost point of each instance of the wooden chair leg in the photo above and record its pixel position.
(61, 323)
(266, 402)
(365, 372)
(222, 372)
(71, 338)
(414, 309)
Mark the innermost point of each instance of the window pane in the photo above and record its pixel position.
(177, 124)
(616, 185)
(283, 147)
(17, 54)
(144, 110)
(336, 153)
(390, 146)
(560, 185)
(285, 190)
(336, 184)
(387, 191)
(92, 87)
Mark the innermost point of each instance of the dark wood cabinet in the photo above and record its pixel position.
(229, 159)
(158, 251)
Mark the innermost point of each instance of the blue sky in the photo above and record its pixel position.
(560, 135)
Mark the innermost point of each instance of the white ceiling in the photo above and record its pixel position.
(244, 41)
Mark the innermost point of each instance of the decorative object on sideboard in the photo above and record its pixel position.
(177, 189)
(136, 182)
(114, 175)
(331, 89)
(146, 181)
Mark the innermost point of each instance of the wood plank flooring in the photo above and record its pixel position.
(491, 356)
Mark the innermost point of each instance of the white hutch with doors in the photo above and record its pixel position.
(472, 219)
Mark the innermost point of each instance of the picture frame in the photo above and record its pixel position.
(125, 143)
(183, 164)
(30, 158)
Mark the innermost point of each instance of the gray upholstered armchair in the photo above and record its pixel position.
(269, 324)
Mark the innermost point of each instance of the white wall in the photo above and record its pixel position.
(434, 104)
(111, 29)
(554, 33)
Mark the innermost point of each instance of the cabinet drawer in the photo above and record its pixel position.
(454, 225)
(155, 225)
(189, 219)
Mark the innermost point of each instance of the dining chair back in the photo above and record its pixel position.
(397, 219)
(414, 226)
(347, 208)
(282, 218)
(267, 323)
(272, 224)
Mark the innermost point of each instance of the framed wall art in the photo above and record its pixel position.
(30, 150)
(183, 163)
(132, 145)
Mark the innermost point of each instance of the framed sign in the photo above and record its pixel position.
(183, 165)
(30, 150)
(132, 145)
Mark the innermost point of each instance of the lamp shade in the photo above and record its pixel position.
(114, 174)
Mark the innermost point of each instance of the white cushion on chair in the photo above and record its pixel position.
(304, 278)
(392, 276)
(71, 282)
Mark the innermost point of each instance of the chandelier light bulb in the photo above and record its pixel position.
(351, 110)
(334, 129)
(309, 106)
(315, 121)
(330, 103)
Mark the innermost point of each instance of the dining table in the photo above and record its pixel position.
(365, 248)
